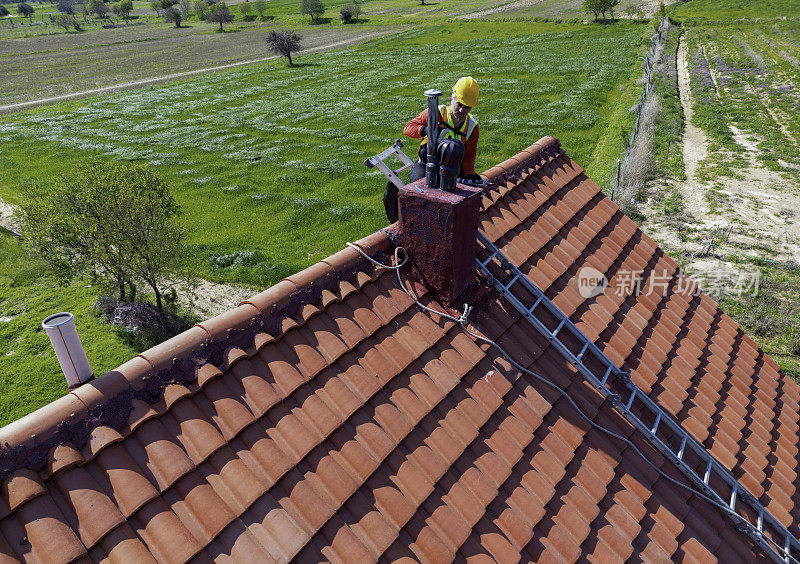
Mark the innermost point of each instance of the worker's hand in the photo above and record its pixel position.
(473, 176)
(423, 131)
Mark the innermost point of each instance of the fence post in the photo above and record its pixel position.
(616, 183)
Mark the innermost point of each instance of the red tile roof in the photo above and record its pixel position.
(330, 418)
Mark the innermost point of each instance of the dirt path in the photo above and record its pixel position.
(755, 213)
(6, 213)
(694, 140)
(10, 108)
(208, 299)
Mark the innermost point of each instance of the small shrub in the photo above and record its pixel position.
(144, 325)
(236, 259)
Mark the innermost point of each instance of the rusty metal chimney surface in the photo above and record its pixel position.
(439, 231)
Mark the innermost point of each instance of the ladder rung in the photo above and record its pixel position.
(682, 448)
(560, 325)
(760, 522)
(707, 477)
(655, 423)
(513, 280)
(630, 400)
(583, 350)
(605, 376)
(535, 305)
(488, 260)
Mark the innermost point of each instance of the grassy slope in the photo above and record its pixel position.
(269, 158)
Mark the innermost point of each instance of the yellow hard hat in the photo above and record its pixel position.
(466, 90)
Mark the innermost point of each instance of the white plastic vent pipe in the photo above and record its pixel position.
(60, 327)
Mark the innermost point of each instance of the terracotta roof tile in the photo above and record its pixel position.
(330, 418)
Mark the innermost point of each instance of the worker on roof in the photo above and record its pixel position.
(455, 122)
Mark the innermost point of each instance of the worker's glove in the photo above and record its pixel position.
(423, 131)
(473, 176)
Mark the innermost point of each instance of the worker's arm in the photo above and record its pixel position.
(470, 152)
(412, 128)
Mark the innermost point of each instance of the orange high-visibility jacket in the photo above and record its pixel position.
(470, 143)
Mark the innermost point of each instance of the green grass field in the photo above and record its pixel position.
(743, 62)
(29, 372)
(270, 159)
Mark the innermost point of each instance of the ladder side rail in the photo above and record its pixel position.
(386, 153)
(398, 145)
(545, 302)
(389, 173)
(392, 175)
(663, 419)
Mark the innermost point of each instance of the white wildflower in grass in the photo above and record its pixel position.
(342, 211)
(202, 180)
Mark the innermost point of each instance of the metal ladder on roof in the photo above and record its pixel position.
(396, 150)
(665, 434)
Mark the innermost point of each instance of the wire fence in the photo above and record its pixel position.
(649, 64)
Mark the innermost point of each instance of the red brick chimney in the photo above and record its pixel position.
(439, 231)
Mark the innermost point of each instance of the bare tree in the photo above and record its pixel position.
(284, 42)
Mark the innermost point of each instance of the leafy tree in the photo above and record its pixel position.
(598, 7)
(25, 10)
(97, 7)
(313, 8)
(594, 6)
(155, 5)
(201, 9)
(186, 7)
(634, 12)
(173, 15)
(65, 6)
(350, 12)
(260, 6)
(114, 220)
(284, 42)
(219, 13)
(125, 8)
(63, 20)
(609, 5)
(245, 8)
(3, 11)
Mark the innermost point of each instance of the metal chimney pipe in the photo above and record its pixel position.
(60, 327)
(432, 167)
